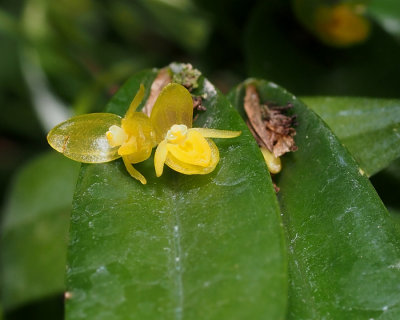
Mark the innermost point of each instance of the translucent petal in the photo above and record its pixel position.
(273, 163)
(215, 133)
(186, 168)
(194, 150)
(159, 157)
(83, 138)
(174, 105)
(135, 102)
(133, 172)
(128, 147)
(116, 136)
(139, 129)
(143, 154)
(138, 124)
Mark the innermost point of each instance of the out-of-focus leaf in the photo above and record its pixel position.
(369, 128)
(395, 213)
(344, 249)
(181, 21)
(292, 57)
(180, 247)
(89, 96)
(34, 230)
(49, 308)
(387, 184)
(387, 13)
(9, 25)
(17, 118)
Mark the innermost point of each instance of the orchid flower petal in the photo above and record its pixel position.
(132, 171)
(159, 157)
(187, 168)
(193, 150)
(135, 102)
(215, 133)
(174, 105)
(83, 138)
(273, 163)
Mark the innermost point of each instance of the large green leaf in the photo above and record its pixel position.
(180, 247)
(34, 230)
(344, 249)
(369, 128)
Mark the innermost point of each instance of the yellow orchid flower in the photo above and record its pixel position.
(183, 148)
(273, 163)
(103, 137)
(342, 24)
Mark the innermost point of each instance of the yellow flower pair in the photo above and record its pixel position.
(103, 137)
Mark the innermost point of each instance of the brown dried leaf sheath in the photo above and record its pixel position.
(163, 78)
(270, 127)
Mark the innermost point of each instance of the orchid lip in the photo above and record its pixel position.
(177, 133)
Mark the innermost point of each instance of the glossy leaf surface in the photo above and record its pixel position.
(34, 230)
(344, 249)
(181, 247)
(369, 128)
(83, 138)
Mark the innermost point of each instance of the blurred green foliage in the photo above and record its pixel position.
(70, 56)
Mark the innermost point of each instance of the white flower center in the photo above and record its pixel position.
(177, 133)
(116, 136)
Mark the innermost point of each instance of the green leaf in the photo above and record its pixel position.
(369, 128)
(344, 250)
(387, 13)
(34, 230)
(180, 247)
(173, 17)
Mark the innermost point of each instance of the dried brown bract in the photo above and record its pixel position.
(163, 78)
(183, 74)
(198, 103)
(270, 126)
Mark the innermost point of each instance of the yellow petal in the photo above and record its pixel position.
(133, 172)
(138, 125)
(83, 138)
(116, 136)
(159, 157)
(141, 137)
(143, 154)
(129, 147)
(174, 105)
(214, 133)
(273, 163)
(193, 150)
(341, 25)
(186, 168)
(135, 102)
